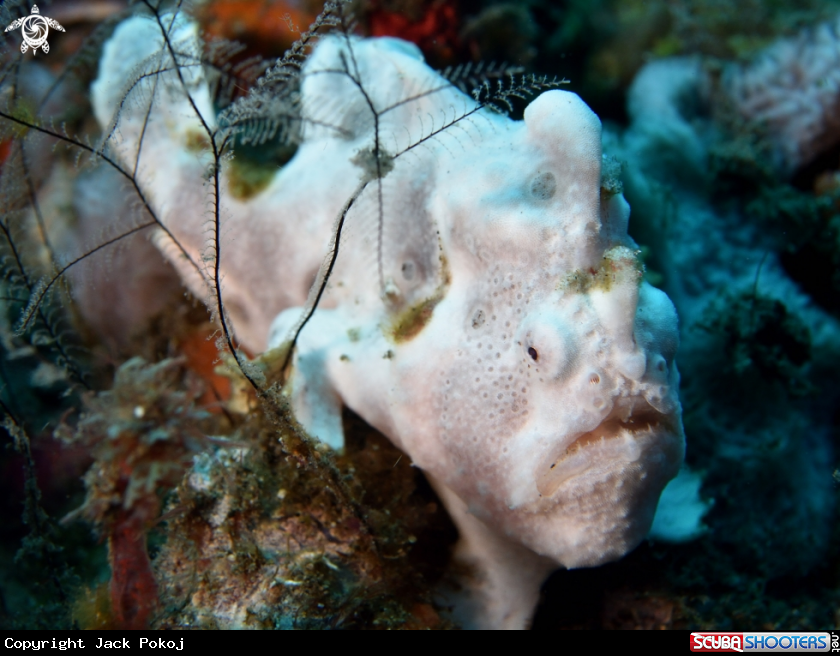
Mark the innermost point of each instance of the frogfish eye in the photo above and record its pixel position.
(533, 353)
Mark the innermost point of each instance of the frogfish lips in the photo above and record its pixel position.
(597, 498)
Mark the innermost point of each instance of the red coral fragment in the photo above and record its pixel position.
(202, 354)
(5, 149)
(436, 32)
(133, 588)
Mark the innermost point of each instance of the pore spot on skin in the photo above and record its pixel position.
(543, 186)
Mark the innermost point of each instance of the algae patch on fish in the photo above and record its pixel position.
(196, 141)
(247, 178)
(408, 323)
(619, 264)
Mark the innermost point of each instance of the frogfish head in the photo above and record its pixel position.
(555, 411)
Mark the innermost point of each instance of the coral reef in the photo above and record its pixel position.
(791, 90)
(142, 434)
(256, 542)
(744, 323)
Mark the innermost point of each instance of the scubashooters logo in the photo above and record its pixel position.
(35, 30)
(791, 641)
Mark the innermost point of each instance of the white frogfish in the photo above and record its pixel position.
(486, 311)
